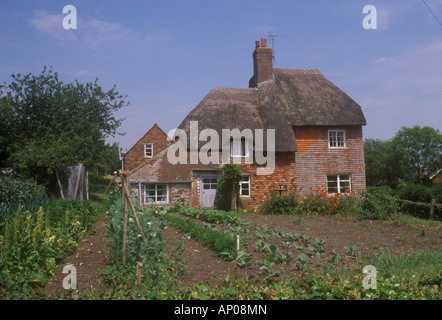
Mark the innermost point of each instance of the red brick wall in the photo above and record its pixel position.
(308, 167)
(315, 160)
(135, 156)
(262, 185)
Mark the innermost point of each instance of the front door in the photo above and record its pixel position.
(208, 191)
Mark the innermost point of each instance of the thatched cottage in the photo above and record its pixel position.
(317, 140)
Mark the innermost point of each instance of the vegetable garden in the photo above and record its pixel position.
(313, 247)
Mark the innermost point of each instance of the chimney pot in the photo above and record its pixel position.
(256, 44)
(264, 42)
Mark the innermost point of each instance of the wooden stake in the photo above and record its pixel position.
(86, 182)
(433, 203)
(59, 184)
(124, 221)
(233, 202)
(132, 205)
(107, 188)
(139, 269)
(125, 187)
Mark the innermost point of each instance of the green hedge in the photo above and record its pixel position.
(420, 209)
(419, 192)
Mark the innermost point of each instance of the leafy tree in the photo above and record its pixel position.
(49, 124)
(381, 163)
(419, 152)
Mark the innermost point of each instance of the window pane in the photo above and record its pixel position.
(332, 138)
(340, 139)
(238, 148)
(332, 190)
(148, 149)
(245, 189)
(332, 184)
(344, 186)
(162, 190)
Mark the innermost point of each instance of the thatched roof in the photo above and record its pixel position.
(295, 97)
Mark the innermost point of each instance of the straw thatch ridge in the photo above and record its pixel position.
(295, 97)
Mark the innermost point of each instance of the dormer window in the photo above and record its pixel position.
(336, 139)
(148, 150)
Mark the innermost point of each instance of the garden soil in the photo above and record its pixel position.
(201, 266)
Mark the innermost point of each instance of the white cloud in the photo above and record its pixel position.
(52, 25)
(90, 32)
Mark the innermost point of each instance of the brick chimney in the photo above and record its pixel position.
(262, 64)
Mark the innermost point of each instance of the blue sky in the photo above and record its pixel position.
(167, 55)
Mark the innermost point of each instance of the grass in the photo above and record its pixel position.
(417, 222)
(421, 267)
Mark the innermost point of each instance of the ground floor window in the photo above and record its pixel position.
(244, 187)
(156, 193)
(338, 183)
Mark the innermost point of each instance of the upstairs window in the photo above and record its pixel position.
(336, 138)
(148, 150)
(239, 148)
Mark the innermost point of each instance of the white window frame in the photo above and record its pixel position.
(146, 147)
(337, 139)
(246, 181)
(243, 153)
(148, 187)
(341, 183)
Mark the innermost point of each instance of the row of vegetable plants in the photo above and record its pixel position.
(143, 246)
(299, 253)
(34, 243)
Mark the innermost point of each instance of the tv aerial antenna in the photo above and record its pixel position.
(272, 37)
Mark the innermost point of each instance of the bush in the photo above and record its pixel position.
(277, 204)
(21, 191)
(377, 204)
(316, 202)
(415, 193)
(436, 192)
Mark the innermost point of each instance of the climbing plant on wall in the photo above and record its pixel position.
(228, 185)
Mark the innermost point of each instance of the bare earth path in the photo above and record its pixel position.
(90, 259)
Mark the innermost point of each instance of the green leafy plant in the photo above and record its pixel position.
(377, 205)
(32, 243)
(228, 185)
(277, 204)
